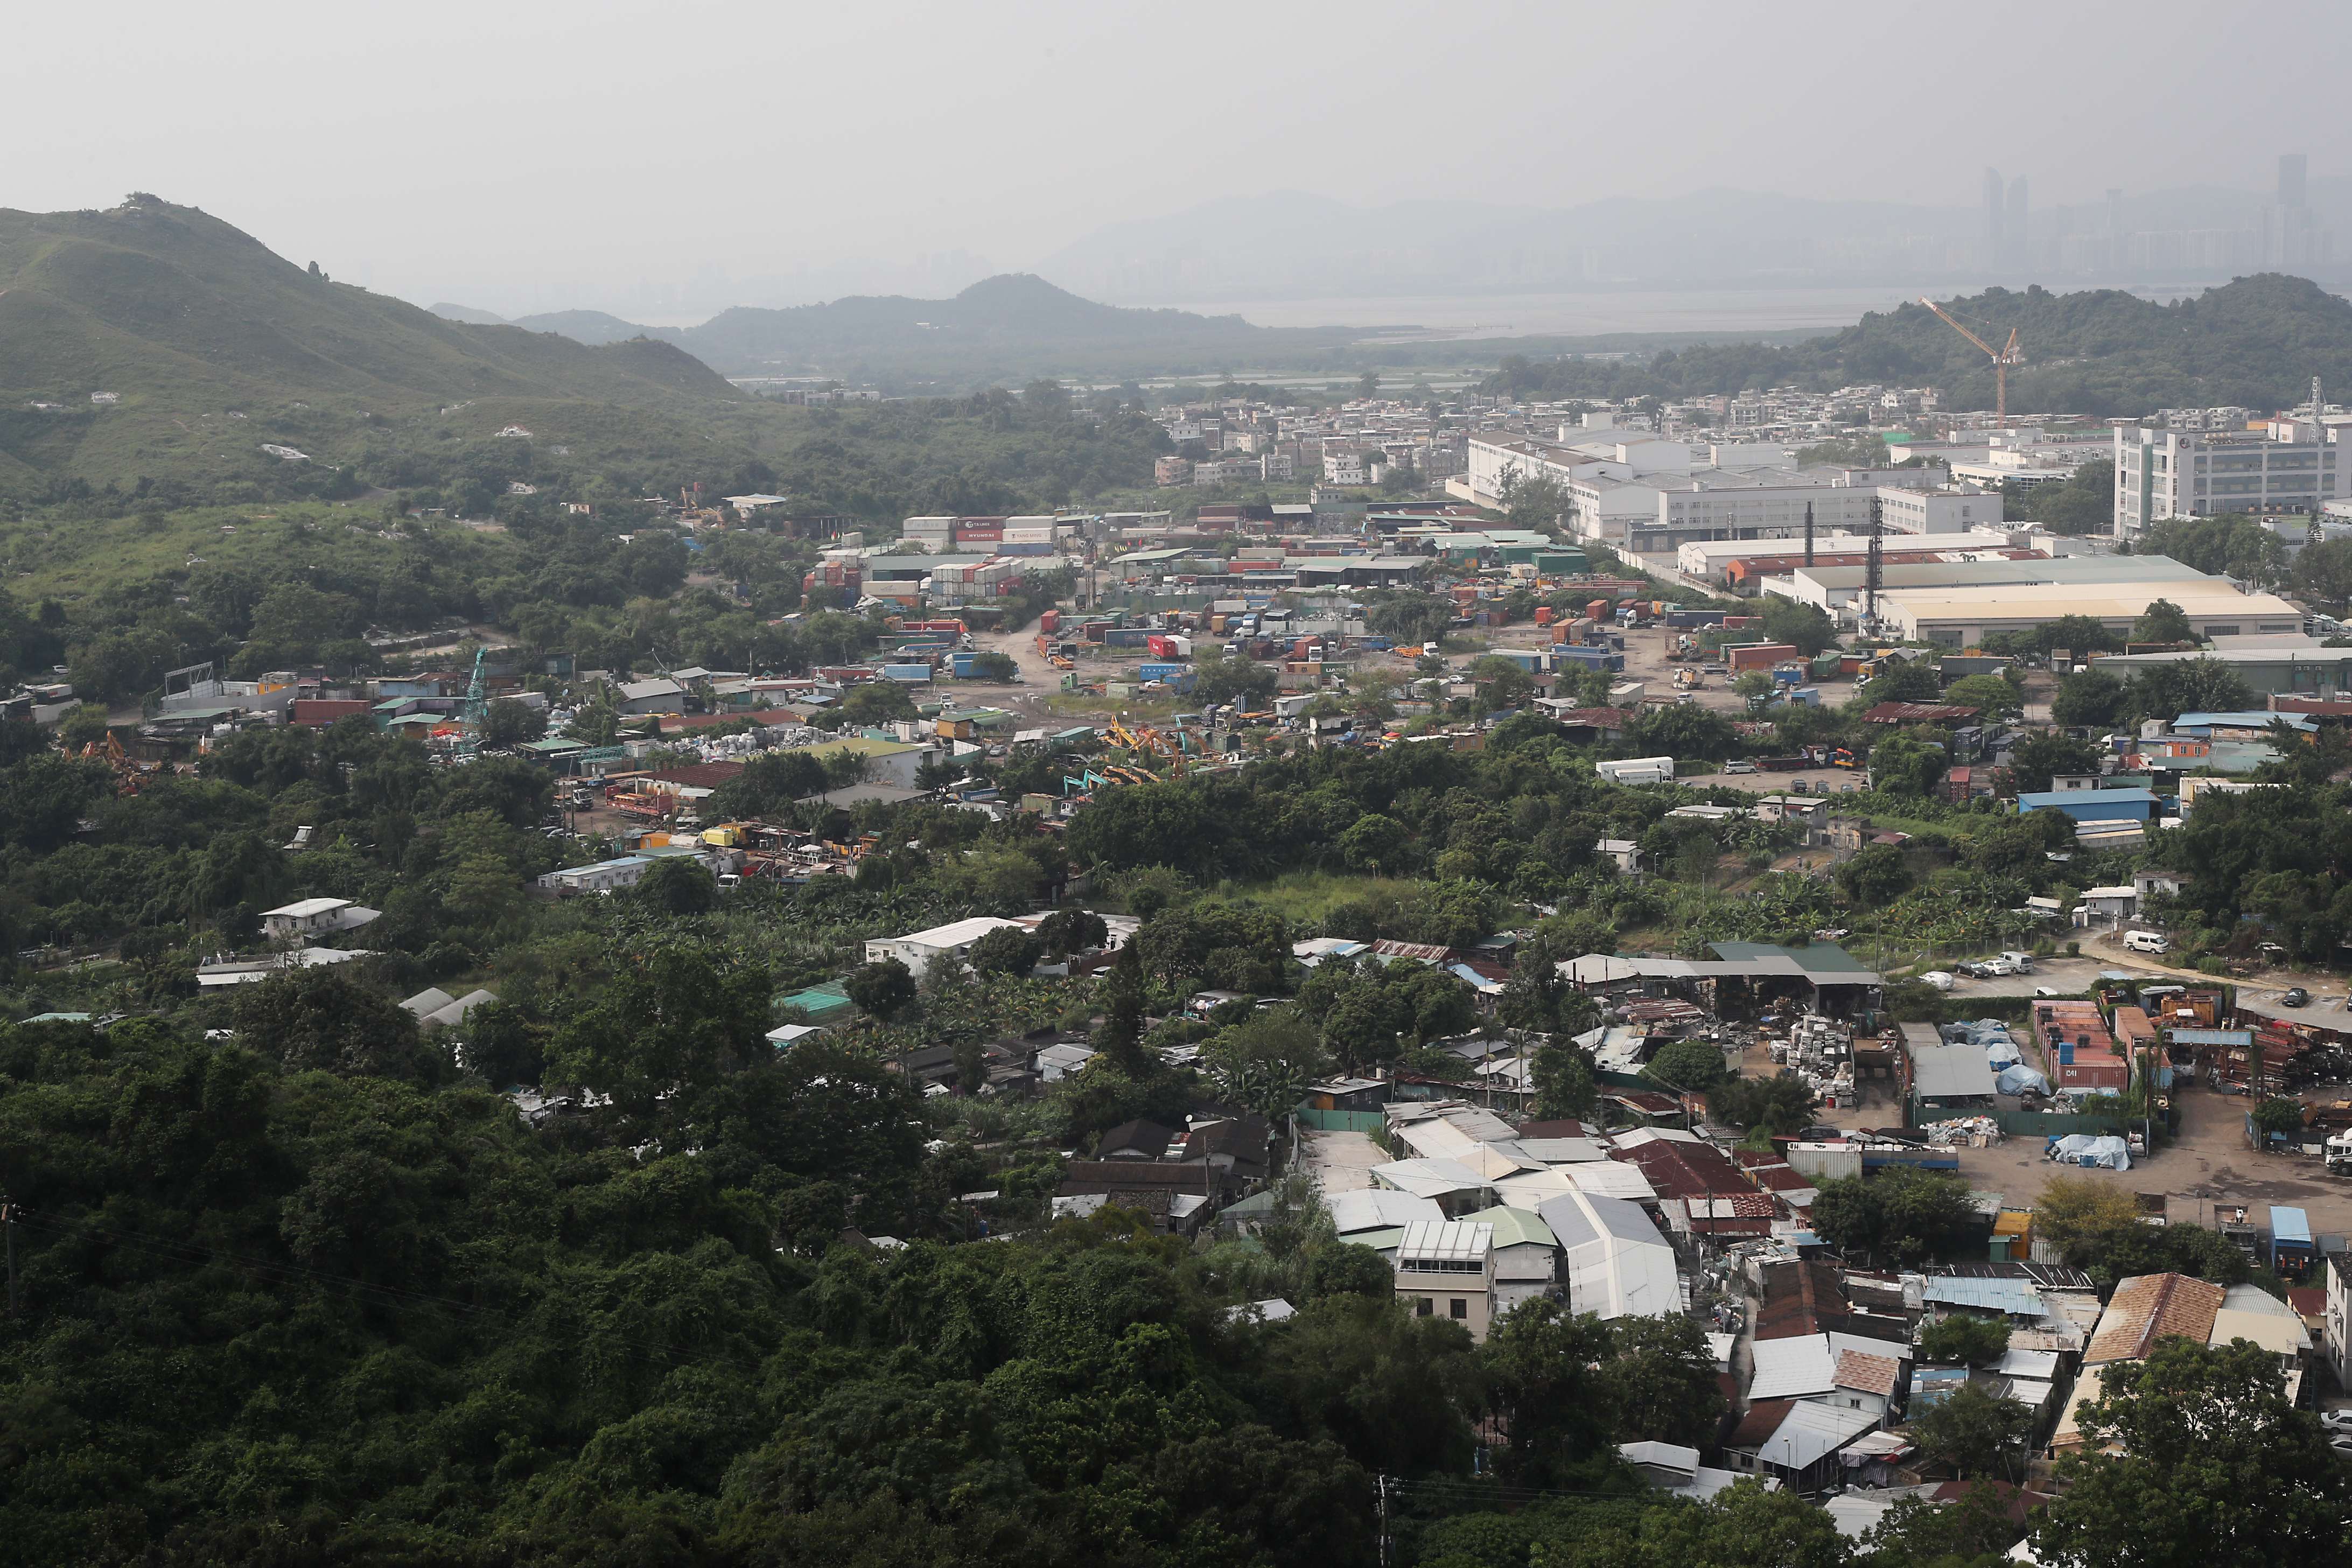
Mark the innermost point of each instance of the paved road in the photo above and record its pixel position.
(1341, 1161)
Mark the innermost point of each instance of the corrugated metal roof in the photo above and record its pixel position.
(2014, 1297)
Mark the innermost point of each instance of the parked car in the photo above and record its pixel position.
(2146, 941)
(2336, 1420)
(1940, 980)
(1740, 765)
(2019, 962)
(2047, 990)
(2296, 997)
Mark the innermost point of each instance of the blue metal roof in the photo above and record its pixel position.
(2212, 1036)
(2015, 1298)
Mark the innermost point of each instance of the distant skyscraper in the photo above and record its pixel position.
(2014, 230)
(1994, 250)
(2290, 239)
(2115, 226)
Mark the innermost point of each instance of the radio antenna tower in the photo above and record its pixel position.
(1874, 573)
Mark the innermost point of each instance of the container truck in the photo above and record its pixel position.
(1638, 770)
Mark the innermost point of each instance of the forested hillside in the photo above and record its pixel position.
(2256, 342)
(227, 375)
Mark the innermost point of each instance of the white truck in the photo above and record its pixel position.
(1637, 769)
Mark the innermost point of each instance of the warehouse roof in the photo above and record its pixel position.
(1950, 1072)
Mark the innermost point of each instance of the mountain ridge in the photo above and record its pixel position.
(191, 324)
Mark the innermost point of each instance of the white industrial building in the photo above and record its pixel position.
(1613, 1261)
(1906, 509)
(1963, 617)
(1709, 559)
(917, 950)
(2162, 473)
(1839, 588)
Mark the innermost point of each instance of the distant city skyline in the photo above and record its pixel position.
(529, 156)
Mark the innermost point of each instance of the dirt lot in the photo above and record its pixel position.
(2209, 1163)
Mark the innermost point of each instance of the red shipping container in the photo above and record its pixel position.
(1598, 610)
(1760, 656)
(1051, 620)
(317, 712)
(1543, 614)
(1160, 648)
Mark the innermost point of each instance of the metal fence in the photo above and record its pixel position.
(2056, 1124)
(1341, 1121)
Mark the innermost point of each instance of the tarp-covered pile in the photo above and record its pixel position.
(1990, 1034)
(2019, 1079)
(2082, 1149)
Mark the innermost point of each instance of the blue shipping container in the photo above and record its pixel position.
(906, 672)
(1024, 548)
(1127, 637)
(1156, 671)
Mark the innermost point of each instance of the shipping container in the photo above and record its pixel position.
(911, 673)
(1155, 671)
(1161, 646)
(1051, 620)
(1687, 618)
(1805, 696)
(1126, 637)
(1543, 614)
(1010, 548)
(1757, 654)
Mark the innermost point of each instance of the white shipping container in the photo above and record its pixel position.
(1825, 1162)
(1029, 535)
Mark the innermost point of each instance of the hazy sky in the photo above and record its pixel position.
(509, 149)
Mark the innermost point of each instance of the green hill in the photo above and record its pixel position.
(212, 346)
(2256, 342)
(1009, 328)
(592, 327)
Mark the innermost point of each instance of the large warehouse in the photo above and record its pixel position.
(2270, 666)
(1839, 587)
(1962, 617)
(1738, 562)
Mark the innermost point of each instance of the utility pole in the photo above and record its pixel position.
(8, 1221)
(1381, 1491)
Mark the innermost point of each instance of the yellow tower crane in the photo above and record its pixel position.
(2003, 357)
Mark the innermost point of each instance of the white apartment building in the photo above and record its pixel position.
(1345, 465)
(2163, 474)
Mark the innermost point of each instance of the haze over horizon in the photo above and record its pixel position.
(529, 158)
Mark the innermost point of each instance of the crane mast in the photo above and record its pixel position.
(2003, 357)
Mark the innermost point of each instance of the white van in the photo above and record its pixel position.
(2019, 962)
(2144, 941)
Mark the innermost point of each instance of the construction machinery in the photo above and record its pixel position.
(1150, 742)
(109, 750)
(2003, 357)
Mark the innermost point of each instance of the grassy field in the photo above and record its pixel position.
(1311, 895)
